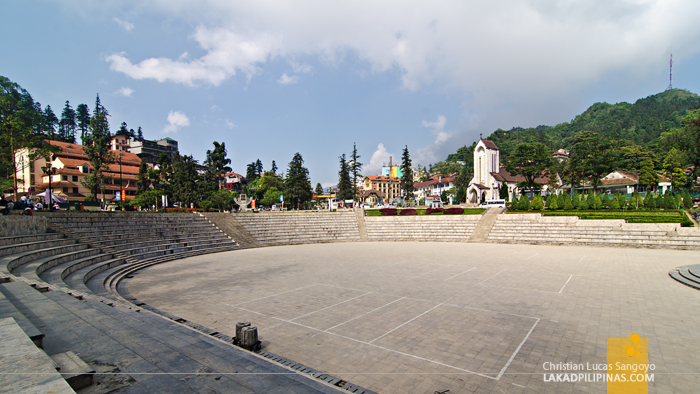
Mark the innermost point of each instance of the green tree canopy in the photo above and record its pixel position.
(297, 187)
(407, 178)
(529, 160)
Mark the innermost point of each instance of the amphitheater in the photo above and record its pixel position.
(145, 303)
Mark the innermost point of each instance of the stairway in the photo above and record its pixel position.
(483, 229)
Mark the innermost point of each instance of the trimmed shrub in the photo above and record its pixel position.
(548, 202)
(598, 203)
(454, 211)
(583, 205)
(524, 203)
(434, 210)
(537, 204)
(554, 204)
(567, 202)
(388, 211)
(605, 201)
(515, 204)
(615, 204)
(409, 211)
(560, 200)
(576, 200)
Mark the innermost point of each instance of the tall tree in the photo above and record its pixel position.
(259, 167)
(18, 118)
(319, 189)
(355, 168)
(344, 183)
(250, 173)
(99, 108)
(529, 160)
(142, 181)
(83, 118)
(98, 150)
(123, 130)
(407, 178)
(297, 187)
(594, 155)
(139, 135)
(184, 187)
(50, 122)
(274, 167)
(216, 164)
(673, 168)
(648, 176)
(67, 125)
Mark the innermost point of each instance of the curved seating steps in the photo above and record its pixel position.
(689, 275)
(138, 341)
(9, 263)
(26, 246)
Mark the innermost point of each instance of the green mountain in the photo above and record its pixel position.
(640, 123)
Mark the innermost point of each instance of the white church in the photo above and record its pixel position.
(489, 175)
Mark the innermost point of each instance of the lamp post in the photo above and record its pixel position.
(49, 170)
(121, 191)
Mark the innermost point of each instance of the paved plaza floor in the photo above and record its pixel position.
(420, 317)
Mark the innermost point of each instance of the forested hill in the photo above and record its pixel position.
(641, 123)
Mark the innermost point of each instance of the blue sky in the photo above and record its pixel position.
(271, 78)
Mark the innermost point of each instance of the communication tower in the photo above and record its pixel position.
(670, 74)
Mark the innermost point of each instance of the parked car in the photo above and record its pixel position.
(493, 204)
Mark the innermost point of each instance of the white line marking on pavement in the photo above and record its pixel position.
(567, 282)
(284, 292)
(426, 273)
(515, 353)
(311, 313)
(377, 346)
(366, 313)
(382, 336)
(491, 277)
(454, 276)
(518, 385)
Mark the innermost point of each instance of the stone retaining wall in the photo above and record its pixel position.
(12, 225)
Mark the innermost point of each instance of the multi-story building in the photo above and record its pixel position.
(233, 181)
(70, 166)
(389, 186)
(433, 187)
(150, 151)
(121, 143)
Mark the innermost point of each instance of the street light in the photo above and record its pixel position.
(49, 170)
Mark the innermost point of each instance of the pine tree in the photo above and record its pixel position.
(139, 135)
(344, 182)
(355, 168)
(583, 204)
(132, 134)
(142, 181)
(560, 200)
(250, 173)
(98, 150)
(576, 200)
(319, 189)
(123, 130)
(537, 204)
(605, 201)
(216, 164)
(614, 204)
(548, 202)
(258, 167)
(597, 203)
(67, 125)
(407, 178)
(297, 187)
(83, 118)
(274, 167)
(515, 203)
(50, 122)
(524, 203)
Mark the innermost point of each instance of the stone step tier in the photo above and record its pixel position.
(282, 228)
(455, 228)
(534, 228)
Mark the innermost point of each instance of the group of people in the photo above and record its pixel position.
(28, 206)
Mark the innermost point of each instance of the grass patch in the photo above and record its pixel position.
(629, 216)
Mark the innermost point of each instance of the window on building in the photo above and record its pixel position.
(65, 190)
(75, 178)
(64, 177)
(75, 190)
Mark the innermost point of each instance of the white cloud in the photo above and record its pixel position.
(230, 124)
(379, 158)
(128, 26)
(431, 152)
(300, 68)
(488, 48)
(215, 108)
(126, 92)
(287, 80)
(227, 54)
(176, 120)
